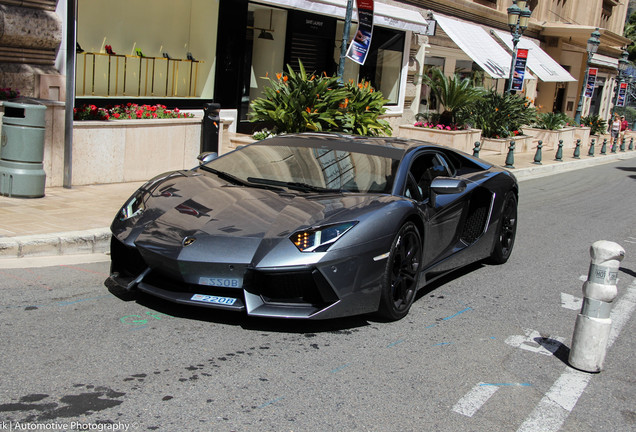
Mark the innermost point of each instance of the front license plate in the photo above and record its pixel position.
(214, 299)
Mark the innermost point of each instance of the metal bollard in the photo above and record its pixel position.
(537, 155)
(591, 152)
(476, 149)
(593, 324)
(559, 153)
(622, 148)
(631, 144)
(577, 150)
(613, 145)
(510, 157)
(604, 146)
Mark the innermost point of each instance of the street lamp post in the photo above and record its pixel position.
(518, 16)
(622, 66)
(592, 46)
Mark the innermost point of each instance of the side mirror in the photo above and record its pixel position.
(206, 157)
(445, 186)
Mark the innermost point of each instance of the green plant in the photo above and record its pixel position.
(361, 110)
(551, 120)
(457, 96)
(298, 102)
(130, 111)
(501, 115)
(597, 125)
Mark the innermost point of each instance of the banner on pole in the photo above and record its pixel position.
(359, 47)
(520, 69)
(591, 82)
(622, 92)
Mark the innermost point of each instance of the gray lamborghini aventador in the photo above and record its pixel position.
(313, 226)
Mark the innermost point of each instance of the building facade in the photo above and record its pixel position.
(191, 52)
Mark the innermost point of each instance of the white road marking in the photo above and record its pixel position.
(478, 395)
(548, 346)
(552, 411)
(568, 301)
(474, 399)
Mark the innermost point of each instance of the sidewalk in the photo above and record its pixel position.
(76, 221)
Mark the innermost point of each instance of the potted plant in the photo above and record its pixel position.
(450, 127)
(501, 118)
(551, 128)
(299, 102)
(598, 126)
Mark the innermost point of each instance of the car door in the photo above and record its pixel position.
(442, 215)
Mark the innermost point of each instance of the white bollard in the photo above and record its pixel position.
(593, 324)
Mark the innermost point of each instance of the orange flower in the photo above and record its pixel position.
(285, 78)
(367, 108)
(308, 110)
(312, 77)
(279, 75)
(345, 104)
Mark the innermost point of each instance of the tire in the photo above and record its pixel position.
(401, 274)
(506, 231)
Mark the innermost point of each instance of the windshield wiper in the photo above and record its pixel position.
(237, 181)
(303, 187)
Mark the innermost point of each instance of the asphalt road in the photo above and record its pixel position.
(483, 350)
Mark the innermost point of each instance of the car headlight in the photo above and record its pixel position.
(134, 206)
(321, 238)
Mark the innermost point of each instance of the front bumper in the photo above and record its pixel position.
(304, 292)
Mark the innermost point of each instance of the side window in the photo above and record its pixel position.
(424, 169)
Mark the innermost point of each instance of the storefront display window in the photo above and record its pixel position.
(126, 49)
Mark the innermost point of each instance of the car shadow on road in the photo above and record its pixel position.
(220, 316)
(297, 326)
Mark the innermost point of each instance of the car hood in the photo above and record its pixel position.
(226, 223)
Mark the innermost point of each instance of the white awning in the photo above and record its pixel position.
(384, 15)
(539, 61)
(478, 45)
(603, 60)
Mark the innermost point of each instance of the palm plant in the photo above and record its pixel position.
(501, 115)
(551, 120)
(456, 95)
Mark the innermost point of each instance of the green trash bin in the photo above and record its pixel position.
(22, 149)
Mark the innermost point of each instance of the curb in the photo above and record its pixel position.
(67, 243)
(538, 171)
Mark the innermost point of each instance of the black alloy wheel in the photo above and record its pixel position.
(399, 283)
(505, 239)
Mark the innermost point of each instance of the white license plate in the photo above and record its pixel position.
(214, 299)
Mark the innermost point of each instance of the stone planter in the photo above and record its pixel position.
(582, 133)
(463, 140)
(523, 143)
(131, 150)
(551, 138)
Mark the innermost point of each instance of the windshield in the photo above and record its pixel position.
(309, 169)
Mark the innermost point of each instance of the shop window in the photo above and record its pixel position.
(383, 67)
(126, 50)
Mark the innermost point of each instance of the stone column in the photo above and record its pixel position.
(29, 37)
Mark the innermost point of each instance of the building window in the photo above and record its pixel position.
(383, 67)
